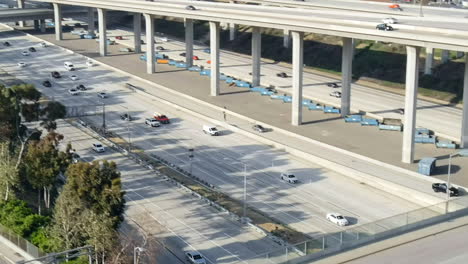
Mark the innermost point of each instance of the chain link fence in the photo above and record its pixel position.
(20, 242)
(329, 244)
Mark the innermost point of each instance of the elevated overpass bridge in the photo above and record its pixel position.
(297, 21)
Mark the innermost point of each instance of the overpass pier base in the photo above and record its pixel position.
(36, 24)
(42, 25)
(346, 75)
(286, 38)
(232, 31)
(150, 59)
(91, 28)
(102, 14)
(189, 42)
(429, 61)
(256, 55)
(58, 21)
(411, 92)
(214, 48)
(20, 4)
(297, 71)
(444, 56)
(464, 132)
(137, 32)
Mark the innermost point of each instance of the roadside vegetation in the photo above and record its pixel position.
(376, 63)
(45, 197)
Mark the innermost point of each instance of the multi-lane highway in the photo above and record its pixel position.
(152, 200)
(218, 160)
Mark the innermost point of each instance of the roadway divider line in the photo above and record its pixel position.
(409, 193)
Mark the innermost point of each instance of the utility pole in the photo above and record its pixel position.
(104, 117)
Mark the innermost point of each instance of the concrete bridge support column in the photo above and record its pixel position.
(20, 4)
(214, 47)
(91, 27)
(137, 32)
(346, 76)
(297, 71)
(58, 21)
(102, 14)
(286, 38)
(460, 54)
(411, 92)
(42, 25)
(464, 132)
(36, 24)
(150, 59)
(232, 31)
(256, 55)
(429, 61)
(189, 42)
(444, 57)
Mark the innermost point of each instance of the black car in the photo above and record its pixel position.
(271, 89)
(160, 48)
(183, 54)
(333, 85)
(190, 7)
(77, 25)
(81, 87)
(142, 41)
(259, 128)
(55, 74)
(442, 187)
(32, 49)
(126, 117)
(6, 43)
(46, 83)
(384, 27)
(282, 75)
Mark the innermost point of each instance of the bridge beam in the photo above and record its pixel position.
(429, 61)
(297, 71)
(137, 32)
(102, 14)
(214, 49)
(256, 55)
(346, 76)
(20, 4)
(232, 31)
(286, 38)
(411, 92)
(91, 27)
(150, 59)
(464, 132)
(42, 25)
(444, 56)
(58, 21)
(189, 42)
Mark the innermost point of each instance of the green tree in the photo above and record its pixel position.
(43, 164)
(99, 188)
(9, 175)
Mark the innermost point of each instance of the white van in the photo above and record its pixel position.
(210, 129)
(69, 66)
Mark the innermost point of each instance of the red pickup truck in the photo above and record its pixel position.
(161, 118)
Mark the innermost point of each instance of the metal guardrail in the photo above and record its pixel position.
(330, 244)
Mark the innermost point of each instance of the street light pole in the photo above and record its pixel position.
(191, 159)
(104, 117)
(245, 191)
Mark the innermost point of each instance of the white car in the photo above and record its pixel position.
(152, 122)
(74, 91)
(390, 20)
(336, 94)
(102, 95)
(42, 44)
(288, 177)
(337, 219)
(98, 147)
(25, 53)
(89, 63)
(164, 39)
(21, 64)
(195, 257)
(74, 77)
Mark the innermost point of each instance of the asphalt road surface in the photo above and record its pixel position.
(218, 160)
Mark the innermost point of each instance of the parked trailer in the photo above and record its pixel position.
(390, 127)
(230, 80)
(277, 97)
(353, 118)
(315, 107)
(194, 68)
(181, 65)
(257, 89)
(446, 144)
(306, 102)
(287, 99)
(331, 109)
(424, 139)
(242, 84)
(369, 122)
(266, 92)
